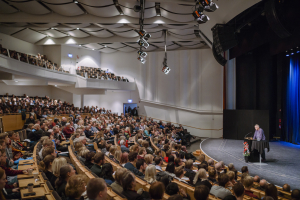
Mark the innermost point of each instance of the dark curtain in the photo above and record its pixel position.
(292, 101)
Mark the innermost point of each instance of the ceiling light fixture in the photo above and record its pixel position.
(157, 9)
(55, 85)
(208, 5)
(75, 1)
(77, 28)
(80, 45)
(16, 81)
(199, 16)
(165, 69)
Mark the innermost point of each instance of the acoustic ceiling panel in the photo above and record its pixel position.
(31, 7)
(177, 17)
(127, 8)
(45, 25)
(101, 33)
(115, 45)
(10, 30)
(107, 50)
(177, 8)
(93, 3)
(127, 49)
(78, 33)
(108, 11)
(110, 26)
(77, 25)
(71, 9)
(150, 48)
(29, 35)
(93, 46)
(126, 33)
(6, 9)
(146, 26)
(54, 33)
(178, 26)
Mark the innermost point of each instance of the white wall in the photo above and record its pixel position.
(53, 53)
(19, 45)
(113, 100)
(85, 57)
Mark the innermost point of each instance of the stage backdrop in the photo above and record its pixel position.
(238, 123)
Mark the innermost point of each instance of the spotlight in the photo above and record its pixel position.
(142, 53)
(143, 43)
(297, 50)
(199, 16)
(208, 5)
(143, 60)
(292, 52)
(165, 68)
(143, 34)
(137, 8)
(287, 53)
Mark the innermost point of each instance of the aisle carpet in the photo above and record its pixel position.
(283, 160)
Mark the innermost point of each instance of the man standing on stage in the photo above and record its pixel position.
(259, 135)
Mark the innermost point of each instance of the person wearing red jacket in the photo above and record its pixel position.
(68, 130)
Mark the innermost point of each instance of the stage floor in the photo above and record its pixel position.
(283, 160)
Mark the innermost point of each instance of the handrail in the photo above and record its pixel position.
(185, 125)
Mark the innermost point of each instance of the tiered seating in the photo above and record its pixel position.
(98, 73)
(39, 60)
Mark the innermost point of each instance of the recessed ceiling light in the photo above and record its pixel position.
(93, 49)
(52, 28)
(75, 1)
(16, 81)
(55, 85)
(80, 45)
(77, 28)
(105, 46)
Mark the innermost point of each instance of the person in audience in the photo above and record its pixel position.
(168, 154)
(262, 185)
(65, 172)
(46, 143)
(201, 179)
(123, 147)
(210, 162)
(124, 159)
(3, 182)
(238, 191)
(112, 151)
(46, 166)
(141, 166)
(295, 194)
(149, 159)
(82, 153)
(231, 177)
(56, 165)
(202, 159)
(157, 191)
(271, 191)
(150, 174)
(96, 189)
(132, 157)
(158, 163)
(107, 172)
(117, 156)
(212, 175)
(231, 167)
(243, 177)
(89, 162)
(219, 190)
(286, 188)
(129, 183)
(256, 179)
(188, 168)
(68, 130)
(201, 192)
(173, 189)
(179, 173)
(75, 187)
(117, 185)
(248, 183)
(49, 151)
(245, 170)
(142, 153)
(170, 169)
(98, 162)
(77, 146)
(178, 162)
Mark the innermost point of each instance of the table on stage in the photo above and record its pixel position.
(256, 148)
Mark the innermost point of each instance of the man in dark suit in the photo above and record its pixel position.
(132, 157)
(189, 169)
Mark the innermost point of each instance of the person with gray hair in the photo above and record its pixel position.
(210, 162)
(231, 167)
(123, 147)
(259, 135)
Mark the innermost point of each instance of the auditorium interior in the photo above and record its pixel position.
(150, 99)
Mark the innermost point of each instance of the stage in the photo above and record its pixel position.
(283, 160)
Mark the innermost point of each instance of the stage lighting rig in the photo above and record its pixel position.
(143, 43)
(208, 5)
(165, 69)
(199, 16)
(143, 60)
(143, 34)
(142, 53)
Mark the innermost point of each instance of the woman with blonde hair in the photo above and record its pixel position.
(56, 165)
(75, 187)
(117, 156)
(201, 178)
(82, 152)
(112, 151)
(149, 159)
(77, 146)
(150, 174)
